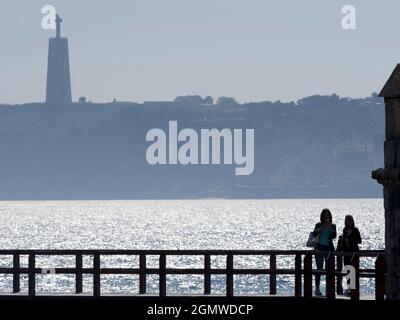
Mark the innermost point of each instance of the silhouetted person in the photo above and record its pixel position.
(349, 240)
(326, 232)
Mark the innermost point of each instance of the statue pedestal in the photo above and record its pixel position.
(58, 76)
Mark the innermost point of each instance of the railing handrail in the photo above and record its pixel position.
(201, 252)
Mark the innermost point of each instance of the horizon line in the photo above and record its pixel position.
(90, 101)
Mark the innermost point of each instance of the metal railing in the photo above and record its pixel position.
(303, 270)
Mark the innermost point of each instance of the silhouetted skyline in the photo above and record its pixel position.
(157, 50)
(322, 146)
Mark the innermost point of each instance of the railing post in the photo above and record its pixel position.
(308, 275)
(31, 275)
(355, 261)
(163, 275)
(330, 276)
(272, 275)
(339, 267)
(207, 274)
(142, 274)
(380, 278)
(96, 275)
(229, 275)
(78, 274)
(298, 276)
(16, 273)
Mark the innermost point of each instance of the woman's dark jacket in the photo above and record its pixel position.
(351, 238)
(332, 235)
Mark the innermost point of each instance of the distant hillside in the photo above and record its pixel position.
(320, 146)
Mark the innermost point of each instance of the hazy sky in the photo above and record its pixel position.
(253, 50)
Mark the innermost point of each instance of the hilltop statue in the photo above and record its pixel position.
(58, 89)
(58, 26)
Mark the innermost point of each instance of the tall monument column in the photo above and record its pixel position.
(58, 77)
(389, 177)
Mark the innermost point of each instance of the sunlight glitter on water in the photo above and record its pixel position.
(178, 224)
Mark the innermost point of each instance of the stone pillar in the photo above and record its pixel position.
(389, 177)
